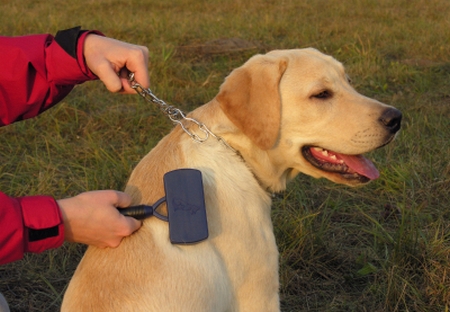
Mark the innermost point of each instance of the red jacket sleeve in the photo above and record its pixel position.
(36, 72)
(28, 224)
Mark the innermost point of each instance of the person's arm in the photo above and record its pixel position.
(37, 223)
(38, 71)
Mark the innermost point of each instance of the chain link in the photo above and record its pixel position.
(176, 115)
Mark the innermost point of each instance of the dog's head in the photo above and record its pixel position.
(299, 109)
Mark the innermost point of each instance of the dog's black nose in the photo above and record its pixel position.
(391, 119)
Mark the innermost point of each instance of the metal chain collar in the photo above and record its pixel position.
(176, 115)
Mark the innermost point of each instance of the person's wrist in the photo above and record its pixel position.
(86, 39)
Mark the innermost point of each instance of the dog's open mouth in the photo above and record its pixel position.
(350, 167)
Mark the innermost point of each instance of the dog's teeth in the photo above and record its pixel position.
(318, 149)
(333, 157)
(325, 153)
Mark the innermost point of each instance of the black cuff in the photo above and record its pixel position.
(68, 40)
(35, 235)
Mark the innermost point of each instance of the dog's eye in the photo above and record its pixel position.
(323, 95)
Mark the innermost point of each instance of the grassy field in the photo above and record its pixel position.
(382, 247)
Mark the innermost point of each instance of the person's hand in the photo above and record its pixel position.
(111, 60)
(92, 218)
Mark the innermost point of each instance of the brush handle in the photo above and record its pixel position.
(138, 212)
(141, 212)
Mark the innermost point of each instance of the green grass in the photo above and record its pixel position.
(382, 247)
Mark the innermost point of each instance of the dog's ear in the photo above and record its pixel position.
(250, 97)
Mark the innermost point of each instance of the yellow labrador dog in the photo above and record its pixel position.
(285, 112)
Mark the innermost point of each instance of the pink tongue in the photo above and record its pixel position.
(361, 165)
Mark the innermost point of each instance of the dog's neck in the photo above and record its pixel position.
(223, 131)
(255, 176)
(235, 150)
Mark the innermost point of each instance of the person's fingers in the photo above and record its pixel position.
(137, 63)
(133, 225)
(111, 60)
(124, 76)
(122, 200)
(108, 75)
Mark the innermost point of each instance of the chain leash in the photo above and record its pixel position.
(176, 115)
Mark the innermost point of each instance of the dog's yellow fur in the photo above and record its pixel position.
(267, 110)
